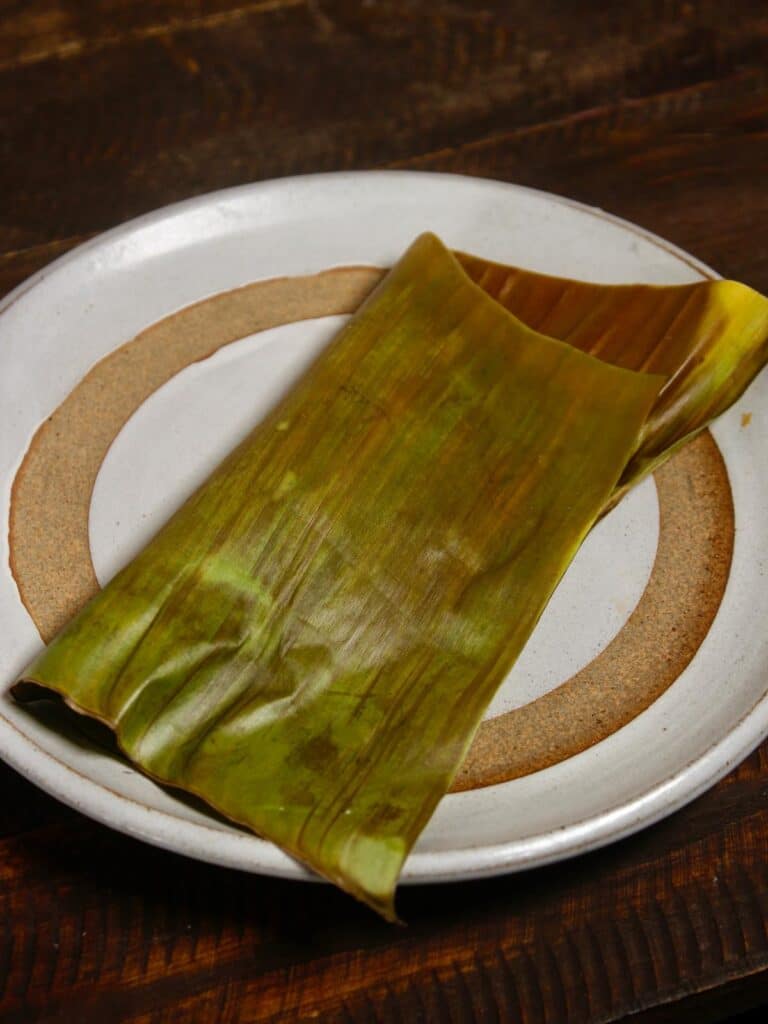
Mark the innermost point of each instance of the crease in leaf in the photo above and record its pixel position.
(310, 642)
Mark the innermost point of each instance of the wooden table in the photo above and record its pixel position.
(657, 111)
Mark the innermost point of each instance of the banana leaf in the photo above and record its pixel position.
(708, 339)
(310, 642)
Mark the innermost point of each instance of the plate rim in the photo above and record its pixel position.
(193, 202)
(236, 850)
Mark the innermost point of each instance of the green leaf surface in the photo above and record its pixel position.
(708, 339)
(311, 641)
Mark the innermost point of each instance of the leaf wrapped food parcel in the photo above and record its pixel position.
(310, 642)
(708, 339)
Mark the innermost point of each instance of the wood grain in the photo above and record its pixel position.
(56, 30)
(657, 111)
(287, 90)
(610, 933)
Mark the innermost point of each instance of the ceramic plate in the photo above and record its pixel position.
(130, 366)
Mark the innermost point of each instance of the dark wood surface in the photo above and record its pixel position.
(653, 109)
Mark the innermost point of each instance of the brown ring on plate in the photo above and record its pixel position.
(50, 555)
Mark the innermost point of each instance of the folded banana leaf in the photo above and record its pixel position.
(311, 641)
(708, 339)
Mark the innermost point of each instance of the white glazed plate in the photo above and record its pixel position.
(81, 308)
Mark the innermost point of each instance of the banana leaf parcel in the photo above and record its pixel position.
(310, 642)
